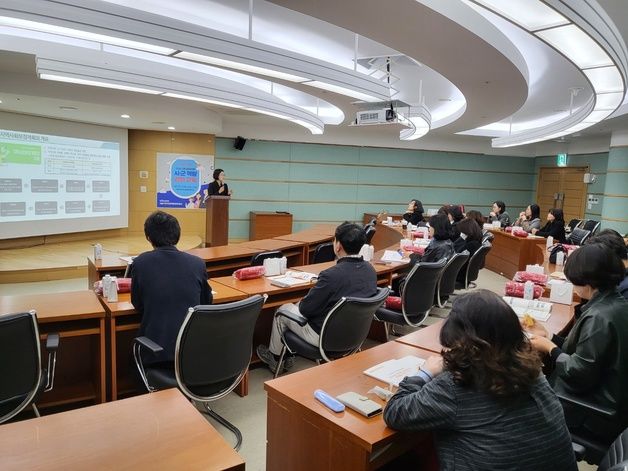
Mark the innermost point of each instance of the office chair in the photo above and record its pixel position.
(616, 458)
(573, 224)
(591, 225)
(344, 330)
(371, 223)
(586, 446)
(212, 354)
(23, 378)
(447, 283)
(324, 253)
(370, 232)
(487, 236)
(258, 259)
(417, 296)
(476, 263)
(578, 236)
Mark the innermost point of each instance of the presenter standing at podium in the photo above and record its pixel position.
(218, 187)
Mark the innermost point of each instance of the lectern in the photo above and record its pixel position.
(217, 221)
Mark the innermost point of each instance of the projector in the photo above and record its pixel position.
(381, 116)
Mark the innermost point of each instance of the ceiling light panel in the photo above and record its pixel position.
(609, 101)
(96, 83)
(342, 91)
(202, 100)
(529, 15)
(577, 46)
(605, 79)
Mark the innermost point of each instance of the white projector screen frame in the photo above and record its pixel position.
(58, 127)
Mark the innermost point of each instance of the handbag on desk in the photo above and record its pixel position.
(557, 248)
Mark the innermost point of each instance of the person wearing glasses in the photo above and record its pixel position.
(218, 187)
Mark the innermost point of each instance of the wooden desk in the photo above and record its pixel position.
(124, 322)
(154, 431)
(109, 265)
(511, 254)
(295, 252)
(311, 238)
(267, 224)
(386, 236)
(79, 319)
(225, 259)
(303, 434)
(428, 337)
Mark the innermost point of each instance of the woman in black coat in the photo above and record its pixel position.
(555, 226)
(218, 187)
(414, 213)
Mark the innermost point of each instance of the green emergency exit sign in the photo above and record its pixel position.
(561, 160)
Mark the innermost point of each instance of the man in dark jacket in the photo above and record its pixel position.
(166, 282)
(351, 276)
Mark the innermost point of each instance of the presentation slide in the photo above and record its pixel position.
(46, 177)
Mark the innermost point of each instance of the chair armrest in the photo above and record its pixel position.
(578, 450)
(296, 317)
(52, 342)
(148, 343)
(570, 399)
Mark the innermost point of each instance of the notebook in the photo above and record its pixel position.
(393, 371)
(539, 310)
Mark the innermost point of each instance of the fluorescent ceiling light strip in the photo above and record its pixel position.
(239, 66)
(96, 83)
(342, 91)
(529, 15)
(597, 116)
(605, 79)
(607, 101)
(203, 100)
(577, 46)
(310, 126)
(53, 38)
(86, 35)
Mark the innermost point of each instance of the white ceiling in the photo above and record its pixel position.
(475, 70)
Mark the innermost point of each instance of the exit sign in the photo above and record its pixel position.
(561, 160)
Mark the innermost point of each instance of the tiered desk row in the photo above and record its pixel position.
(94, 364)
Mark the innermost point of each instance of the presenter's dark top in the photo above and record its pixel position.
(214, 188)
(414, 217)
(351, 276)
(166, 282)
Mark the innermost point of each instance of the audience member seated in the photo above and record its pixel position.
(477, 217)
(615, 242)
(498, 213)
(166, 282)
(454, 214)
(592, 361)
(470, 239)
(486, 401)
(414, 212)
(351, 276)
(530, 218)
(555, 226)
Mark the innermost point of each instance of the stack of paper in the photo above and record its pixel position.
(391, 256)
(539, 310)
(393, 371)
(287, 280)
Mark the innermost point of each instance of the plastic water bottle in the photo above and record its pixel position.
(112, 295)
(550, 241)
(560, 259)
(528, 290)
(106, 286)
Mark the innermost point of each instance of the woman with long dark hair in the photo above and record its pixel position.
(555, 226)
(530, 218)
(485, 400)
(414, 212)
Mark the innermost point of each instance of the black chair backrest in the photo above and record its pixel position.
(347, 324)
(370, 232)
(20, 362)
(258, 259)
(591, 225)
(214, 346)
(616, 458)
(447, 282)
(324, 253)
(487, 236)
(578, 236)
(476, 262)
(574, 223)
(371, 223)
(417, 297)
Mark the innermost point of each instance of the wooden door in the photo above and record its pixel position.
(562, 188)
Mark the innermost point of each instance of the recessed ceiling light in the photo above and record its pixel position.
(125, 116)
(158, 122)
(68, 108)
(171, 128)
(444, 99)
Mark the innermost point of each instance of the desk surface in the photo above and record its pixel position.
(54, 307)
(428, 337)
(153, 431)
(271, 244)
(256, 286)
(340, 376)
(224, 252)
(307, 237)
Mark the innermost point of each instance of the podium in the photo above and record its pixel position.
(217, 221)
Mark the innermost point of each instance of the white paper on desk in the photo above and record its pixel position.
(391, 256)
(538, 310)
(393, 371)
(127, 259)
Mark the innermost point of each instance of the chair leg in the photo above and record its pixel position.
(280, 362)
(35, 410)
(225, 423)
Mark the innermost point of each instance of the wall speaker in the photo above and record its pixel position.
(238, 142)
